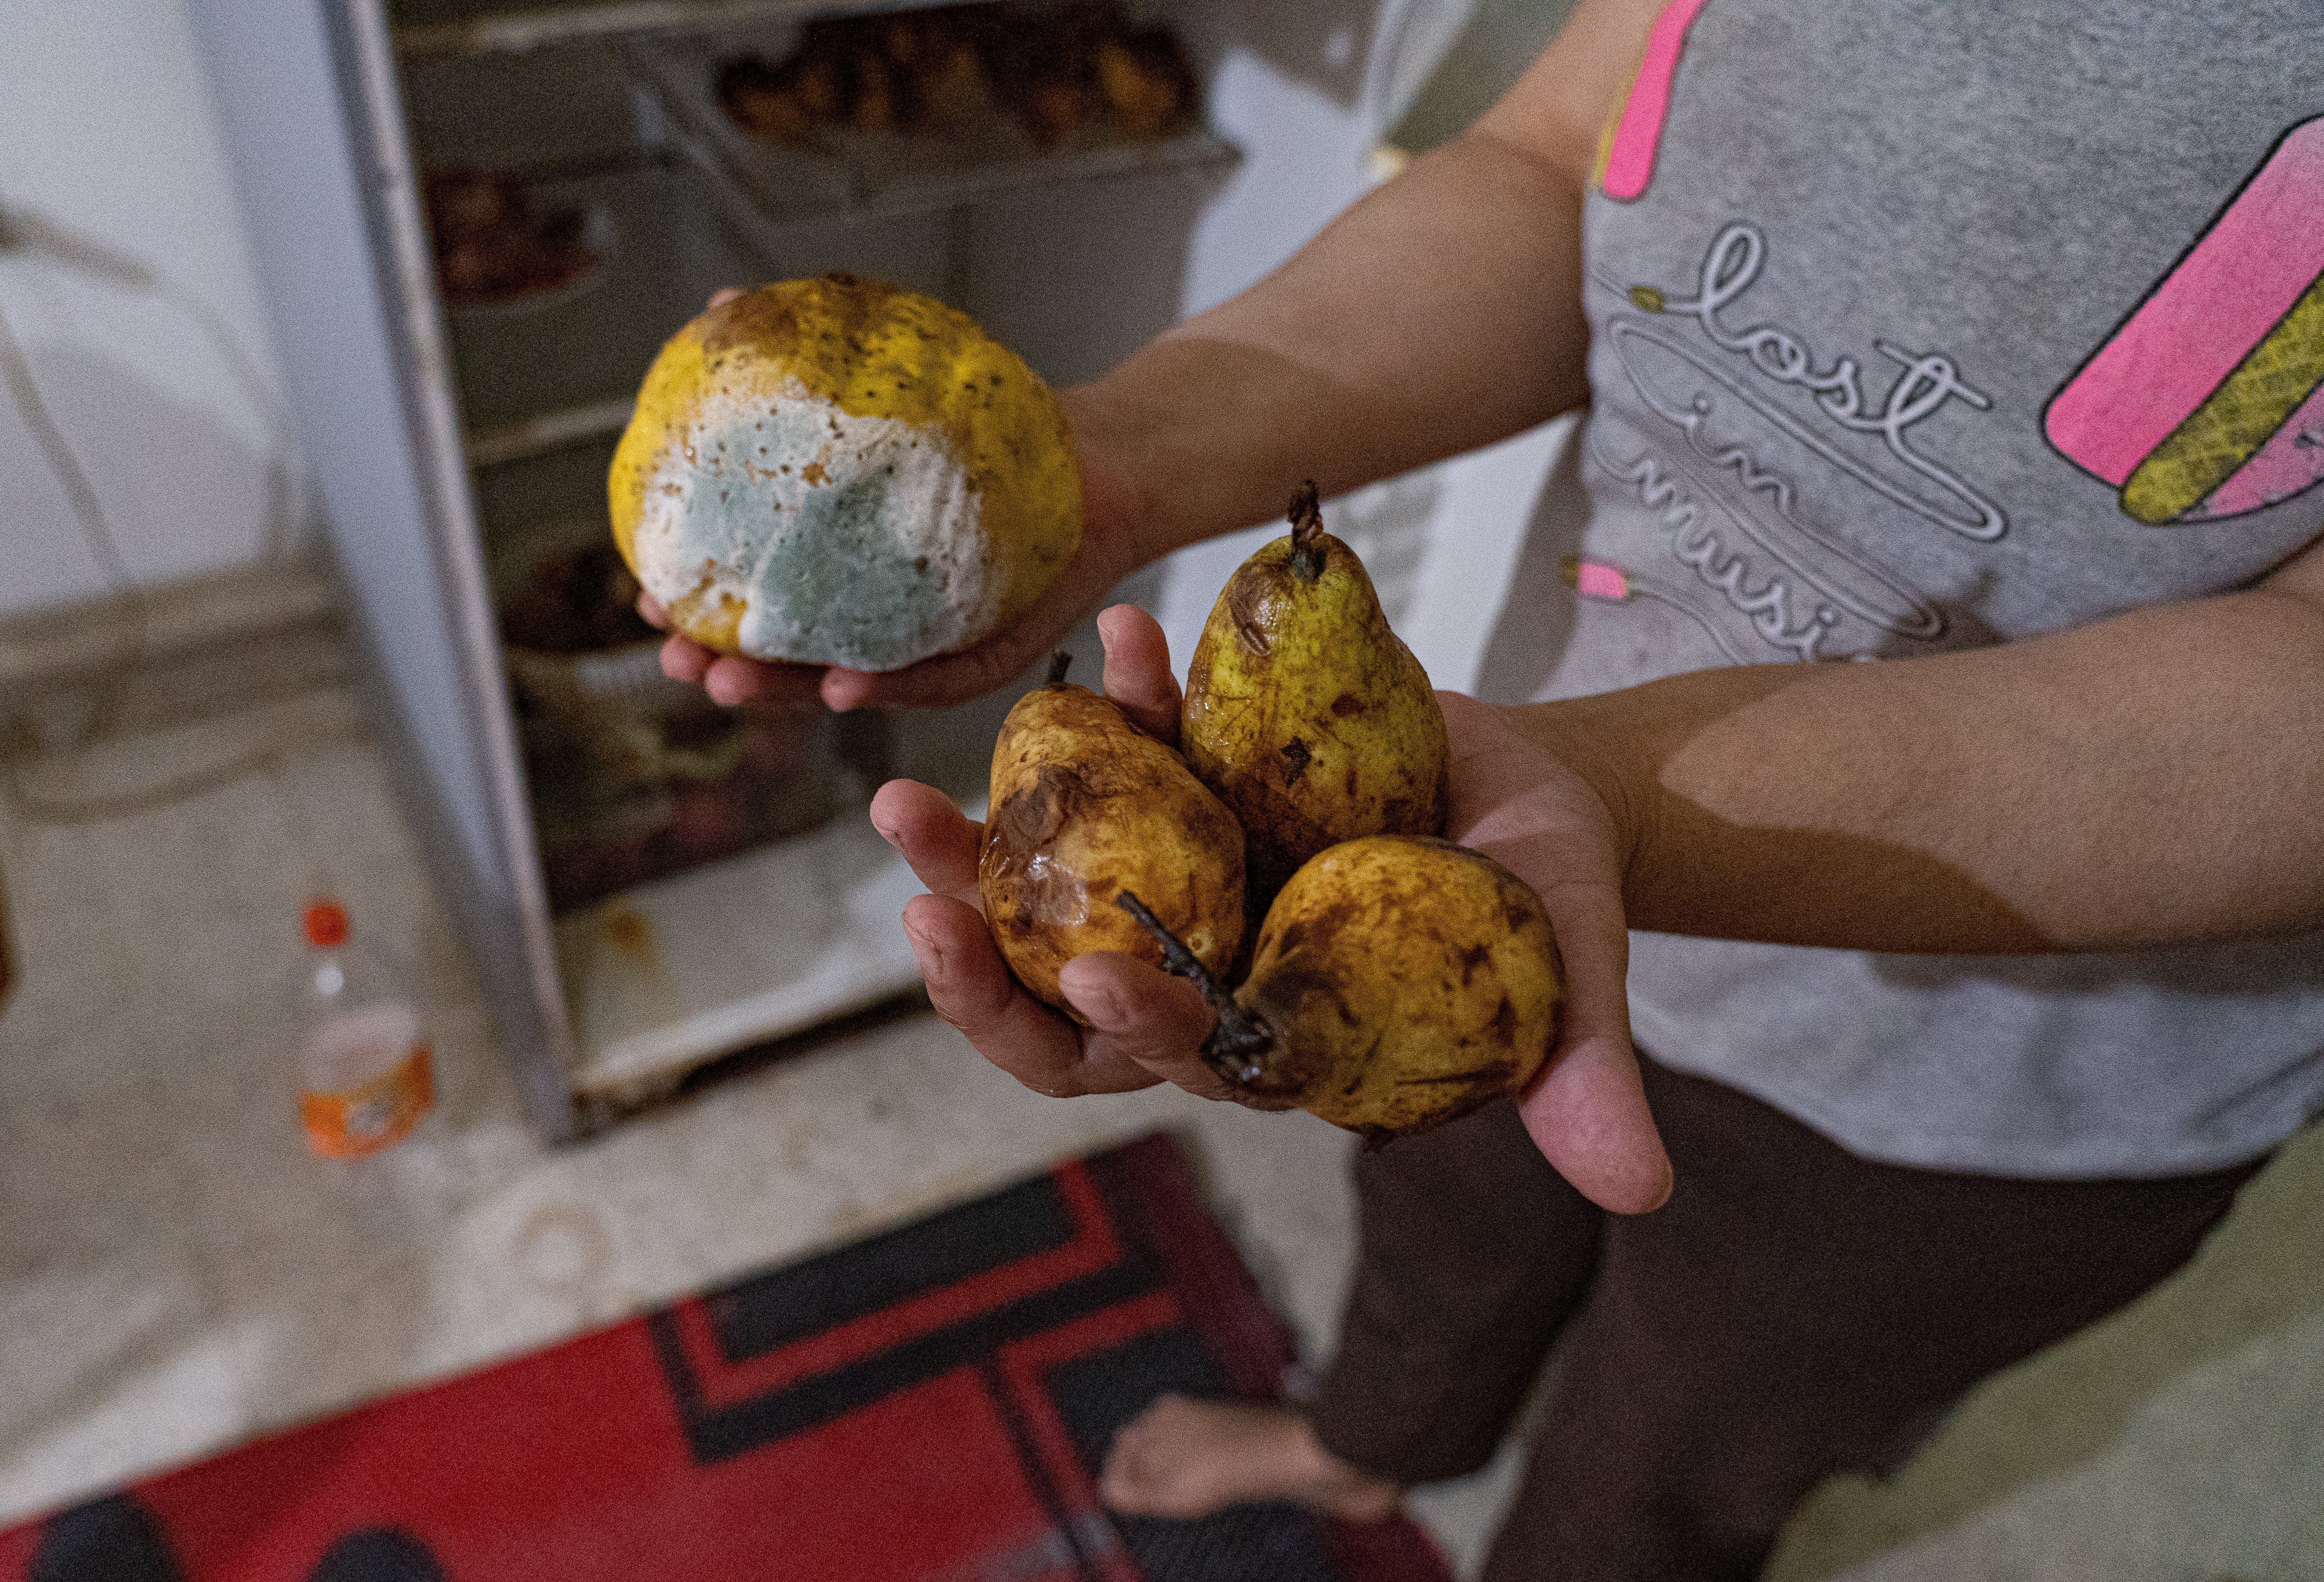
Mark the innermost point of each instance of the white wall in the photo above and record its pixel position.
(108, 135)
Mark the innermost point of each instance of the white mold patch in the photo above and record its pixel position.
(850, 541)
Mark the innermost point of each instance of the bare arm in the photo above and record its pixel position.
(1442, 312)
(2155, 778)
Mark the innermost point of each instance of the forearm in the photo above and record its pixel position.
(1437, 314)
(2155, 778)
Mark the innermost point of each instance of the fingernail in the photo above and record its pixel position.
(924, 952)
(889, 835)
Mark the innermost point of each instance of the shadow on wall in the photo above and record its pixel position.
(1323, 44)
(167, 475)
(142, 485)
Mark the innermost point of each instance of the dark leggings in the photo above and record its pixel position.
(1791, 1311)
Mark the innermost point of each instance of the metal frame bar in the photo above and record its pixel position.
(390, 196)
(517, 30)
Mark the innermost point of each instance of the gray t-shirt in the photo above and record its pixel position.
(1921, 325)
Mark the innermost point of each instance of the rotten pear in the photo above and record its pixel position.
(1085, 805)
(1308, 715)
(1399, 983)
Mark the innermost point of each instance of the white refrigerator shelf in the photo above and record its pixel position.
(874, 174)
(682, 970)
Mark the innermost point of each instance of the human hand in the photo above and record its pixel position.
(1145, 1027)
(1110, 550)
(1514, 797)
(1518, 798)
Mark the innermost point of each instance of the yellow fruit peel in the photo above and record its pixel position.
(836, 471)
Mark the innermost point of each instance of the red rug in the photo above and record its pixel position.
(928, 1406)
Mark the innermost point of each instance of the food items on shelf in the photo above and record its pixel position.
(1399, 983)
(1045, 78)
(835, 471)
(1145, 80)
(1084, 805)
(914, 70)
(492, 246)
(634, 775)
(1055, 71)
(575, 601)
(1305, 712)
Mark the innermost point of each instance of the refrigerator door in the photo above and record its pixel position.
(308, 108)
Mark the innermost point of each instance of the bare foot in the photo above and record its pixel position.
(1187, 1458)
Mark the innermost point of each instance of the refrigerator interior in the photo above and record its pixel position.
(1073, 256)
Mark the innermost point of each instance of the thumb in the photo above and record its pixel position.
(1587, 1112)
(1587, 1116)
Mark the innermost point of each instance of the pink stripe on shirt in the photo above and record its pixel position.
(2204, 318)
(1631, 159)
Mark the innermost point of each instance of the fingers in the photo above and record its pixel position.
(953, 677)
(941, 845)
(1522, 805)
(1588, 1111)
(1141, 680)
(971, 987)
(685, 660)
(945, 680)
(1589, 1117)
(725, 294)
(1141, 1014)
(1145, 1017)
(843, 689)
(1137, 670)
(649, 610)
(730, 679)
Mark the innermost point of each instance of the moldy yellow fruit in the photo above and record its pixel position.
(1399, 983)
(835, 471)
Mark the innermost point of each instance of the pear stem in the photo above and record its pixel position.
(1237, 1039)
(1060, 663)
(1306, 534)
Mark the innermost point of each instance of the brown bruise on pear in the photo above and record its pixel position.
(1400, 983)
(1305, 713)
(1084, 805)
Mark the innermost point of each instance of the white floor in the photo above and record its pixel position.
(176, 1275)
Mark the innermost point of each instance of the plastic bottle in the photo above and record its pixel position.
(366, 1075)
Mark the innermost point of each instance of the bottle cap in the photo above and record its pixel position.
(325, 923)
